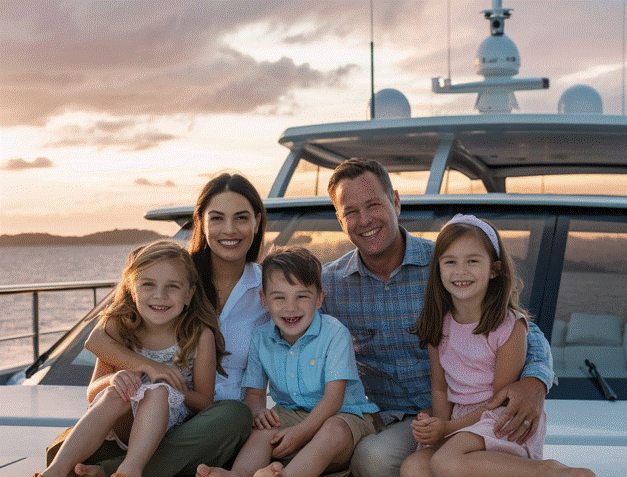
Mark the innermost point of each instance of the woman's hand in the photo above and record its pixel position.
(162, 372)
(126, 383)
(266, 419)
(428, 430)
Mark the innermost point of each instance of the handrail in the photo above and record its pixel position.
(35, 289)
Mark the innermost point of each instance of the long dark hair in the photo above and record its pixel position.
(501, 296)
(198, 247)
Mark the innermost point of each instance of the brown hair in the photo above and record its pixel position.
(353, 168)
(501, 296)
(198, 247)
(124, 313)
(296, 263)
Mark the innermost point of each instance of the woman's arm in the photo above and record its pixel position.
(204, 373)
(107, 345)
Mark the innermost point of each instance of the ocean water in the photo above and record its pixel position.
(57, 310)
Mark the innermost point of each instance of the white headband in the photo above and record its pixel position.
(487, 229)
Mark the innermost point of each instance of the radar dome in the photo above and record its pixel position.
(580, 99)
(497, 56)
(390, 103)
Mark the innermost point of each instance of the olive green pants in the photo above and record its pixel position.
(213, 437)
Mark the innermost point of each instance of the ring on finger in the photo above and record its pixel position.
(527, 423)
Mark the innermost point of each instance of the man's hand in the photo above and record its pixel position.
(520, 419)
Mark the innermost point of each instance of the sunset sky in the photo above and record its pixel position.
(109, 108)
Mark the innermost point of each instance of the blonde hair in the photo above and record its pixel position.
(501, 297)
(124, 314)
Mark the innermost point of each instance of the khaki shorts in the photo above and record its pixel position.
(360, 426)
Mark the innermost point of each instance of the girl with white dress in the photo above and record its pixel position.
(160, 311)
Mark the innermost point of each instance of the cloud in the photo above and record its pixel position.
(147, 57)
(126, 134)
(21, 164)
(141, 181)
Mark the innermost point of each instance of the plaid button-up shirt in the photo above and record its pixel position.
(394, 369)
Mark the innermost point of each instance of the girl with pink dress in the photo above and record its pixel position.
(476, 334)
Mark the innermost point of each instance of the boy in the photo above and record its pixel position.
(321, 409)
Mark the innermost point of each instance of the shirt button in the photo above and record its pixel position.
(292, 375)
(294, 394)
(312, 362)
(291, 353)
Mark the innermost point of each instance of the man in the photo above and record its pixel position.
(377, 291)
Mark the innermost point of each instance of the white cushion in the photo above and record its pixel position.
(604, 330)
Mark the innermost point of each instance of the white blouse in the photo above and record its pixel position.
(241, 314)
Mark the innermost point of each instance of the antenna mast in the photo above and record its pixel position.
(371, 63)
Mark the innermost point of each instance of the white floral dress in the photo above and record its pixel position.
(179, 413)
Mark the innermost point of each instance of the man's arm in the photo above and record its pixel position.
(526, 396)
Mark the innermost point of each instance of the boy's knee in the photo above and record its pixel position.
(335, 431)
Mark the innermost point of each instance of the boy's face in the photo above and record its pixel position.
(292, 307)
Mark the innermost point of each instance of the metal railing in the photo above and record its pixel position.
(37, 288)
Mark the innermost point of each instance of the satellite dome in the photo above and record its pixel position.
(580, 99)
(390, 103)
(497, 56)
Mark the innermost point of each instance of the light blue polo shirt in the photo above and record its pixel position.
(298, 374)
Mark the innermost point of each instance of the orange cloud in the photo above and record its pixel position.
(20, 164)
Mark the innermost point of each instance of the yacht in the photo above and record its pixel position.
(553, 184)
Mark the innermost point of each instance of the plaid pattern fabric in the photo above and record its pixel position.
(394, 370)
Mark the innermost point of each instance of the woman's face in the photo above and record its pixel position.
(230, 226)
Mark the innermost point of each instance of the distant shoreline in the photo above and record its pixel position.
(112, 237)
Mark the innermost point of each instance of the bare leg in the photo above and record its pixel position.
(330, 448)
(88, 434)
(254, 455)
(89, 470)
(418, 464)
(149, 427)
(458, 458)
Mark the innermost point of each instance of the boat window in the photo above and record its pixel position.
(591, 313)
(588, 184)
(308, 180)
(457, 183)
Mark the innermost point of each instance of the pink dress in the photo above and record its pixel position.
(469, 363)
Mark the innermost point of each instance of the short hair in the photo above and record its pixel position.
(296, 263)
(353, 168)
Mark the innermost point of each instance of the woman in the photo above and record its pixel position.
(227, 235)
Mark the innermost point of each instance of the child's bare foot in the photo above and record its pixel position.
(273, 470)
(205, 471)
(89, 470)
(557, 469)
